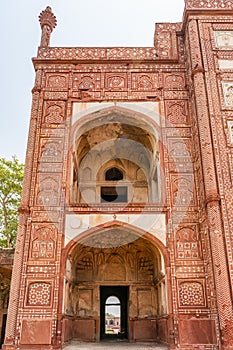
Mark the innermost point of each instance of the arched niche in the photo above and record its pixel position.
(120, 139)
(115, 256)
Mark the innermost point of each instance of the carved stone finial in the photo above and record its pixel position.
(46, 17)
(47, 22)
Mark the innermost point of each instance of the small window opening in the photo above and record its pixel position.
(117, 194)
(113, 174)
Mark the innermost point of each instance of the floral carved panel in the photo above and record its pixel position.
(56, 81)
(116, 81)
(144, 82)
(43, 242)
(174, 81)
(183, 190)
(176, 112)
(51, 150)
(48, 190)
(54, 112)
(85, 81)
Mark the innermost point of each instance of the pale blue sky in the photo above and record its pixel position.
(80, 23)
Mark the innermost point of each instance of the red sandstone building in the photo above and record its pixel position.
(128, 190)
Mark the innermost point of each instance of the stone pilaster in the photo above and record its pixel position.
(24, 212)
(220, 263)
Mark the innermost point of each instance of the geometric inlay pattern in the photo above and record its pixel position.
(209, 4)
(39, 293)
(191, 294)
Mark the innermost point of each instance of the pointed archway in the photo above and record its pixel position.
(103, 262)
(115, 138)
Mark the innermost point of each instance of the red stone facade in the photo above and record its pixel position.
(162, 116)
(6, 265)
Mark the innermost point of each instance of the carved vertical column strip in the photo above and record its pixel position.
(224, 300)
(217, 122)
(22, 226)
(222, 282)
(15, 280)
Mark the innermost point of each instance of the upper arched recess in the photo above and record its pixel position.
(123, 138)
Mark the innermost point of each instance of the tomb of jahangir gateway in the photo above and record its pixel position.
(128, 190)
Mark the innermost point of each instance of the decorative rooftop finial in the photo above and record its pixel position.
(47, 22)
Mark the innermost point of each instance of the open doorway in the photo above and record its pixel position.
(4, 317)
(114, 312)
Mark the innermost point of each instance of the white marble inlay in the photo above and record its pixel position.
(224, 39)
(225, 64)
(230, 128)
(228, 93)
(76, 224)
(149, 109)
